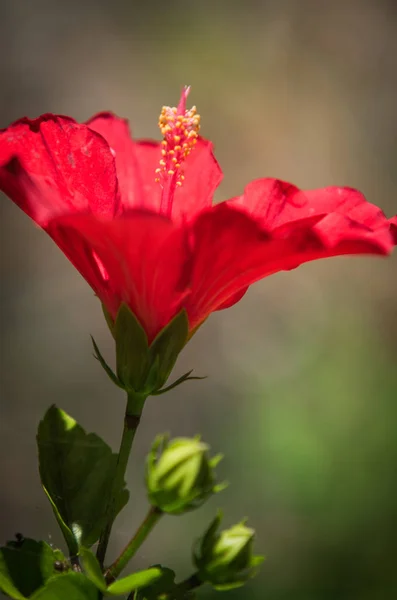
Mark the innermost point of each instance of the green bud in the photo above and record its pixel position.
(225, 559)
(180, 475)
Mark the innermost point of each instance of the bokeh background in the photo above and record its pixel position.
(301, 393)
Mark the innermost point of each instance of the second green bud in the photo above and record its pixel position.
(180, 475)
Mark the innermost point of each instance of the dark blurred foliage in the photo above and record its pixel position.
(302, 387)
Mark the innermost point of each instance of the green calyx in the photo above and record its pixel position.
(142, 368)
(180, 476)
(225, 559)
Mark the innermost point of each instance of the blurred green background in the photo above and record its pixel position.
(301, 393)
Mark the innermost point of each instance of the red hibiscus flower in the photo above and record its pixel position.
(136, 217)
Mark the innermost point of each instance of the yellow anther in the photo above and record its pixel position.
(180, 129)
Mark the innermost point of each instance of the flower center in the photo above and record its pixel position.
(179, 128)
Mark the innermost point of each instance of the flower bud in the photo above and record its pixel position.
(180, 475)
(225, 559)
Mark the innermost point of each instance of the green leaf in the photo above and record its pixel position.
(164, 585)
(25, 566)
(134, 581)
(132, 352)
(92, 568)
(77, 471)
(7, 586)
(70, 586)
(68, 534)
(166, 347)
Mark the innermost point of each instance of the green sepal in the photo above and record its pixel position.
(208, 536)
(25, 566)
(68, 586)
(165, 348)
(142, 368)
(112, 376)
(185, 377)
(77, 472)
(109, 320)
(132, 350)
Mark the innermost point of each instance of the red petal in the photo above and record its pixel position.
(52, 165)
(232, 251)
(148, 154)
(393, 228)
(272, 203)
(141, 259)
(135, 162)
(234, 298)
(202, 176)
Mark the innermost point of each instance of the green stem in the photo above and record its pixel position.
(134, 544)
(132, 417)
